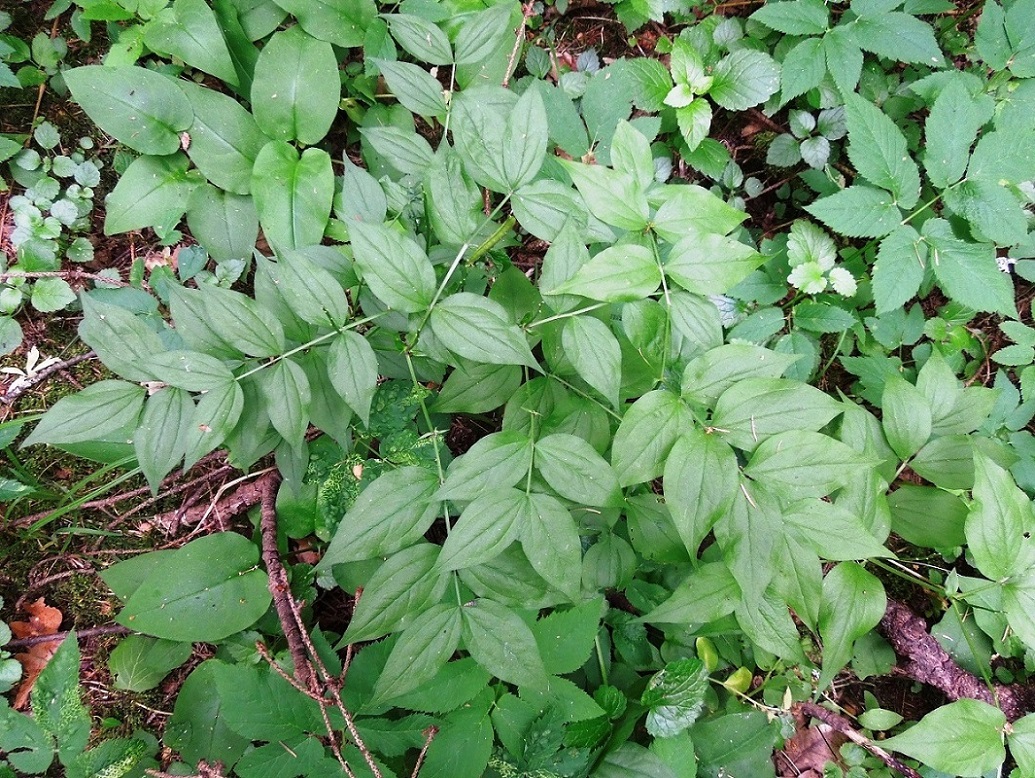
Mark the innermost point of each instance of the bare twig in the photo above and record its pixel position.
(24, 383)
(429, 735)
(527, 10)
(842, 725)
(280, 587)
(111, 629)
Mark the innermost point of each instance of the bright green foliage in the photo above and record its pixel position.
(484, 447)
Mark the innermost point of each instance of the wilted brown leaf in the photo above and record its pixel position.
(43, 620)
(808, 750)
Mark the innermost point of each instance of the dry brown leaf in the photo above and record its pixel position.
(43, 620)
(808, 750)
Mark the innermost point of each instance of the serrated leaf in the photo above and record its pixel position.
(844, 57)
(744, 78)
(396, 268)
(967, 271)
(898, 36)
(566, 638)
(859, 211)
(802, 68)
(674, 697)
(57, 704)
(695, 121)
(805, 17)
(962, 738)
(853, 604)
(952, 125)
(879, 151)
(478, 329)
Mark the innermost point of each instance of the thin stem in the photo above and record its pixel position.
(584, 395)
(568, 315)
(600, 660)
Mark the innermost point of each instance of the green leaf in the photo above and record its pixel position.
(224, 138)
(198, 728)
(844, 57)
(906, 417)
(477, 388)
(498, 460)
(487, 526)
(947, 462)
(690, 209)
(962, 738)
(482, 34)
(853, 604)
(706, 377)
(312, 292)
(293, 194)
(594, 352)
(706, 263)
(804, 463)
(631, 760)
(744, 78)
(421, 38)
(832, 531)
(524, 140)
(990, 38)
(394, 266)
(215, 417)
(140, 663)
(646, 435)
(225, 224)
(224, 323)
(802, 69)
(361, 199)
(286, 390)
(566, 638)
(94, 413)
(550, 539)
(341, 22)
(406, 585)
(950, 130)
(576, 471)
(700, 484)
(203, 591)
(899, 37)
(1022, 743)
(1019, 607)
(999, 156)
(405, 150)
(27, 747)
(56, 702)
(674, 697)
(478, 329)
(616, 274)
(262, 705)
(879, 151)
(823, 317)
(153, 191)
(708, 593)
(51, 294)
(352, 367)
(501, 642)
(612, 196)
(391, 513)
(859, 211)
(757, 408)
(807, 17)
(163, 434)
(995, 214)
(747, 535)
(414, 87)
(297, 87)
(10, 335)
(189, 31)
(768, 624)
(1000, 523)
(968, 272)
(738, 743)
(695, 121)
(136, 106)
(421, 651)
(899, 268)
(928, 517)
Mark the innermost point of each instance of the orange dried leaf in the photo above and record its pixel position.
(43, 620)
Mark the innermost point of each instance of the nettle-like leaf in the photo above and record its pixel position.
(674, 697)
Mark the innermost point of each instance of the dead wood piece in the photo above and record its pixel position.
(926, 661)
(842, 725)
(226, 507)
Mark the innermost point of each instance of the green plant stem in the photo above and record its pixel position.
(584, 395)
(910, 578)
(600, 660)
(568, 315)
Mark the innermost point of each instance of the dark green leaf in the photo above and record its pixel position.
(478, 329)
(807, 17)
(341, 22)
(293, 194)
(421, 651)
(57, 704)
(646, 435)
(421, 38)
(414, 87)
(488, 525)
(707, 594)
(394, 266)
(123, 341)
(550, 539)
(898, 36)
(853, 604)
(1000, 523)
(566, 638)
(859, 211)
(899, 268)
(501, 642)
(94, 413)
(700, 483)
(879, 151)
(756, 408)
(286, 391)
(963, 738)
(190, 32)
(674, 697)
(352, 367)
(163, 434)
(496, 461)
(153, 191)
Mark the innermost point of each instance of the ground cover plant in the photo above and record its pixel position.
(655, 411)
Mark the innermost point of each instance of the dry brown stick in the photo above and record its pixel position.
(527, 11)
(111, 629)
(23, 385)
(926, 661)
(280, 587)
(842, 725)
(429, 735)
